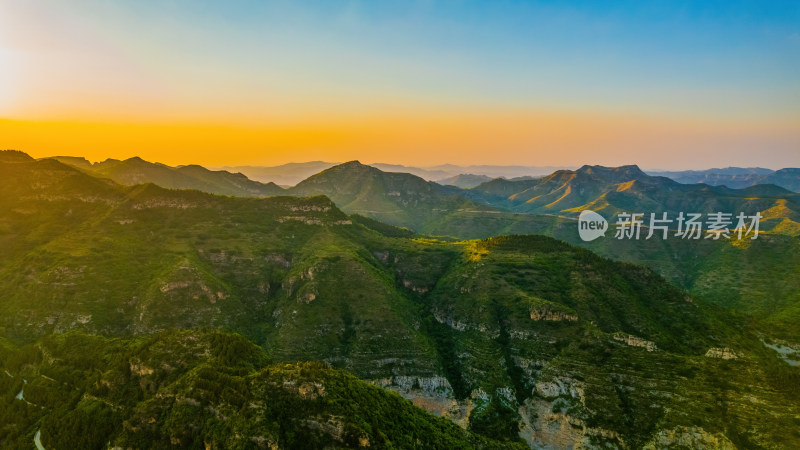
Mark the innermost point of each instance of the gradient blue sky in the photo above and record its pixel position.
(598, 81)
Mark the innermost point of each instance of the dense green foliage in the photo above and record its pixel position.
(756, 278)
(513, 337)
(200, 390)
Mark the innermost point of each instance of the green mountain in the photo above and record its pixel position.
(135, 170)
(612, 190)
(519, 339)
(501, 205)
(755, 277)
(395, 198)
(199, 390)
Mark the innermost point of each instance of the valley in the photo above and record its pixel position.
(129, 296)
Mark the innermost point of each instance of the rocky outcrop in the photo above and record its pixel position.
(560, 387)
(455, 324)
(303, 219)
(310, 208)
(408, 383)
(408, 284)
(546, 424)
(138, 368)
(689, 437)
(721, 353)
(635, 341)
(433, 394)
(542, 428)
(552, 316)
(172, 203)
(305, 390)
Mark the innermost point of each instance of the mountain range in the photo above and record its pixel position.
(470, 176)
(625, 188)
(465, 180)
(548, 206)
(135, 170)
(519, 339)
(293, 173)
(736, 177)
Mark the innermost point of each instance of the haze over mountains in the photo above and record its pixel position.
(611, 190)
(520, 339)
(471, 176)
(564, 192)
(293, 173)
(138, 171)
(233, 180)
(736, 177)
(548, 205)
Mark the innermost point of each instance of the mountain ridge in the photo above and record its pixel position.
(135, 170)
(513, 337)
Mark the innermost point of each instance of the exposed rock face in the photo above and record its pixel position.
(305, 390)
(689, 437)
(165, 203)
(433, 394)
(309, 208)
(560, 387)
(635, 341)
(552, 316)
(307, 297)
(546, 425)
(411, 285)
(722, 353)
(303, 219)
(424, 384)
(140, 369)
(455, 324)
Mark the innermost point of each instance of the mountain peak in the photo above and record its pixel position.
(14, 156)
(354, 166)
(353, 163)
(75, 161)
(631, 169)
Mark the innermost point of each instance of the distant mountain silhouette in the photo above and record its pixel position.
(135, 170)
(737, 177)
(464, 180)
(395, 198)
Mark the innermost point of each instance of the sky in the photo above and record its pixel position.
(663, 84)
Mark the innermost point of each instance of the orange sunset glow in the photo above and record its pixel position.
(542, 139)
(280, 83)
